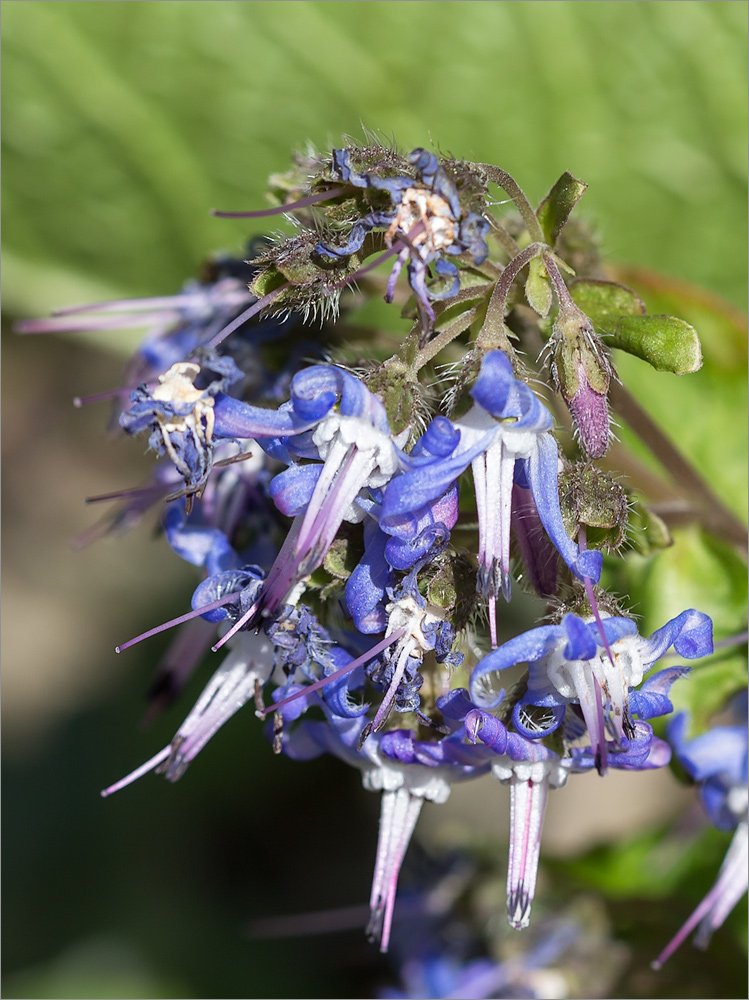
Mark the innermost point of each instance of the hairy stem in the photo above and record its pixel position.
(502, 179)
(444, 337)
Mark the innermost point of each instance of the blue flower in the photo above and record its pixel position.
(717, 761)
(571, 663)
(407, 772)
(531, 769)
(343, 429)
(505, 436)
(425, 219)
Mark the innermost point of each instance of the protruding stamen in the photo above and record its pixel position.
(264, 213)
(227, 599)
(336, 675)
(386, 705)
(98, 397)
(138, 772)
(243, 317)
(130, 494)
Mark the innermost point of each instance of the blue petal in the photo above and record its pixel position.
(520, 749)
(292, 489)
(542, 475)
(482, 726)
(690, 633)
(366, 587)
(235, 419)
(494, 384)
(439, 440)
(541, 725)
(652, 698)
(199, 544)
(525, 648)
(721, 750)
(415, 488)
(581, 645)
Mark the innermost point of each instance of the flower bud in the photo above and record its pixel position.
(582, 373)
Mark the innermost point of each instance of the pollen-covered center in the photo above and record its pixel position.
(421, 206)
(177, 387)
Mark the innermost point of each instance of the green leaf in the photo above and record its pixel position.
(619, 316)
(555, 209)
(603, 300)
(698, 571)
(709, 687)
(538, 287)
(667, 343)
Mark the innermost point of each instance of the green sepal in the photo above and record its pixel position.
(538, 287)
(555, 209)
(595, 499)
(400, 393)
(449, 583)
(576, 348)
(267, 281)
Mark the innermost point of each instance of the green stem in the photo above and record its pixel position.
(444, 337)
(502, 179)
(509, 243)
(555, 276)
(495, 312)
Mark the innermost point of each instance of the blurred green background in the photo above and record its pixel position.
(123, 124)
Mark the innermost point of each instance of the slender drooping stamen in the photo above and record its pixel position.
(130, 494)
(527, 807)
(399, 813)
(227, 599)
(336, 675)
(64, 324)
(284, 557)
(185, 300)
(386, 705)
(125, 390)
(138, 772)
(264, 213)
(243, 317)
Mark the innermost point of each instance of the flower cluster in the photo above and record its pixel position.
(347, 564)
